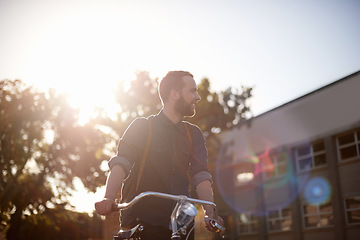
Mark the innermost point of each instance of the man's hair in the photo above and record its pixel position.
(172, 80)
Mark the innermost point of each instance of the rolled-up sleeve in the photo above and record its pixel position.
(199, 163)
(201, 176)
(123, 162)
(130, 145)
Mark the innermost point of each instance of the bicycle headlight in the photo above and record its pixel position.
(185, 214)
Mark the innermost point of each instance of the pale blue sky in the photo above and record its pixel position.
(282, 48)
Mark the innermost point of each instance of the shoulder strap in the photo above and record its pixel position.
(145, 154)
(189, 136)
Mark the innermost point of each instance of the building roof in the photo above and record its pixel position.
(324, 111)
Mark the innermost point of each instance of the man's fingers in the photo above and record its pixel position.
(98, 208)
(210, 227)
(104, 207)
(208, 224)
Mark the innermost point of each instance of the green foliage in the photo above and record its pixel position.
(217, 112)
(41, 143)
(139, 99)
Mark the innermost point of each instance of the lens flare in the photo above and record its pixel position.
(250, 183)
(317, 191)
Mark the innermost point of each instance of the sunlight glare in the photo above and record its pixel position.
(83, 200)
(86, 57)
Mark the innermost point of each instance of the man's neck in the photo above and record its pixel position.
(172, 114)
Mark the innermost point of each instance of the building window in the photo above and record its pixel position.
(274, 165)
(317, 216)
(246, 224)
(348, 145)
(352, 208)
(310, 156)
(279, 220)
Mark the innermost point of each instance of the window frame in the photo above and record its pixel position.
(356, 143)
(280, 218)
(252, 220)
(318, 214)
(311, 155)
(347, 210)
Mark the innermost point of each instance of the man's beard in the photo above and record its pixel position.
(184, 108)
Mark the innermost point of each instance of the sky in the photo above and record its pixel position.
(282, 48)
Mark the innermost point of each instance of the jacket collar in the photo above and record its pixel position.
(167, 122)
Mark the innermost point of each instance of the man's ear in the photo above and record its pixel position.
(174, 94)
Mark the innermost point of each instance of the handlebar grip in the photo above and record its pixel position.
(118, 206)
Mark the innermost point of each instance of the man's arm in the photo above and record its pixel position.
(113, 185)
(121, 164)
(205, 192)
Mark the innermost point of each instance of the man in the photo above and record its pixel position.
(177, 156)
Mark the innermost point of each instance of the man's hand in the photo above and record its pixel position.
(105, 206)
(205, 192)
(113, 185)
(210, 227)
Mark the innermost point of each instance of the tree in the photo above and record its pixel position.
(218, 112)
(42, 149)
(139, 99)
(60, 224)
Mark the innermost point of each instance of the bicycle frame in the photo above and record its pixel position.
(179, 200)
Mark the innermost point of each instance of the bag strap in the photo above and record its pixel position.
(189, 136)
(145, 154)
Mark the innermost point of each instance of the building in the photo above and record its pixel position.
(294, 172)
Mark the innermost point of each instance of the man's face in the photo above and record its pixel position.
(189, 96)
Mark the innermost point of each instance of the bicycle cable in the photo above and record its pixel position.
(196, 225)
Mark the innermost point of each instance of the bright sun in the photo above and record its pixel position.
(87, 55)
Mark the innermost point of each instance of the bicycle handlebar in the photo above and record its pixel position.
(121, 206)
(178, 199)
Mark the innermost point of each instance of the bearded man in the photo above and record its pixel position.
(175, 158)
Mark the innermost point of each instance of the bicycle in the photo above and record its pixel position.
(182, 215)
